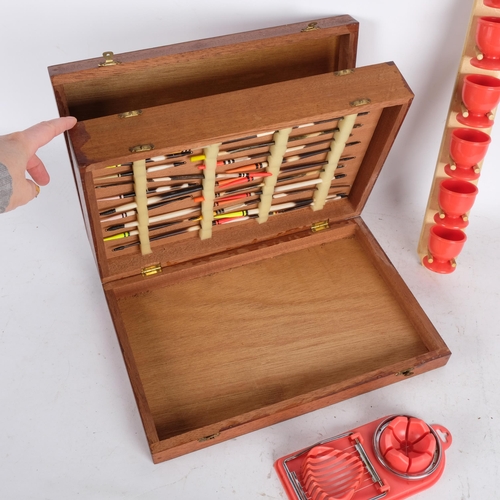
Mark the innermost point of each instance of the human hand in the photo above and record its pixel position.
(18, 155)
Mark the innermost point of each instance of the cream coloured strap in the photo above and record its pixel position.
(274, 161)
(207, 205)
(140, 188)
(336, 149)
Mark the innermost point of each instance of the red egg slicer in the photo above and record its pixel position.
(393, 458)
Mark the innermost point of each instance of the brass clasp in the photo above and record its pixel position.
(109, 59)
(311, 27)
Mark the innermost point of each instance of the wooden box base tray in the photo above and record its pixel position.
(233, 317)
(273, 333)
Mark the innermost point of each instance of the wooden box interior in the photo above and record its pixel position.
(184, 71)
(100, 142)
(261, 321)
(250, 340)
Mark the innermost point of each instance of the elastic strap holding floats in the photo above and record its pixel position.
(140, 188)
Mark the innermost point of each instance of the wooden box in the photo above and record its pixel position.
(230, 317)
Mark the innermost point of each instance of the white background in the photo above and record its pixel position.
(69, 427)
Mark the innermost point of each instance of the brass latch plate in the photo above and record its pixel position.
(406, 373)
(209, 438)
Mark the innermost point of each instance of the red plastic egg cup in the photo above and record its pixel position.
(467, 148)
(492, 3)
(444, 246)
(455, 198)
(488, 42)
(480, 95)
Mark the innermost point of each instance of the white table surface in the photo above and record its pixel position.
(69, 424)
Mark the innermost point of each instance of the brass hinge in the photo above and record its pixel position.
(319, 226)
(311, 27)
(406, 373)
(130, 114)
(109, 59)
(151, 270)
(141, 148)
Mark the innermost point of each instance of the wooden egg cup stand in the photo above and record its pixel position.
(470, 51)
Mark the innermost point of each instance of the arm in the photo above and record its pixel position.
(5, 187)
(18, 156)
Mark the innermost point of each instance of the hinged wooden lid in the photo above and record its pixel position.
(145, 78)
(357, 112)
